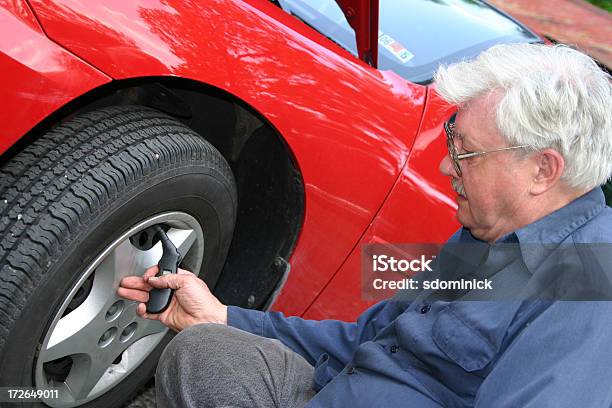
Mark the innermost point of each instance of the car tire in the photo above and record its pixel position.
(69, 195)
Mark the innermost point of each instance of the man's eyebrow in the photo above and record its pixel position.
(466, 140)
(463, 137)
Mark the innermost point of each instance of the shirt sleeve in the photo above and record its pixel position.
(560, 359)
(312, 338)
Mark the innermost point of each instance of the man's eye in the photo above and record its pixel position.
(465, 147)
(463, 150)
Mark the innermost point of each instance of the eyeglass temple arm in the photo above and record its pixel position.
(474, 154)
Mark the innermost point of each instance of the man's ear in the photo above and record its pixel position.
(549, 165)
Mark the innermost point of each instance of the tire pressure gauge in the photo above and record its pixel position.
(159, 299)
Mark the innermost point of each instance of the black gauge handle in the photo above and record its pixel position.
(159, 299)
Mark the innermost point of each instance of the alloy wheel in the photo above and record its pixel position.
(95, 339)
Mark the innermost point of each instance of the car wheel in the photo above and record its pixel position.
(77, 209)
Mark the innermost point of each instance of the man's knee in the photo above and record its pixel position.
(236, 366)
(189, 359)
(203, 336)
(194, 344)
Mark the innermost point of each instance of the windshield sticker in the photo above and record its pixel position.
(394, 47)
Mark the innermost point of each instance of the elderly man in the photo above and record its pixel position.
(528, 149)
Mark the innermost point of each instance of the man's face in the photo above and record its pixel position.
(492, 187)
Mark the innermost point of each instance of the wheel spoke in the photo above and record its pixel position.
(183, 239)
(85, 374)
(75, 333)
(148, 327)
(126, 260)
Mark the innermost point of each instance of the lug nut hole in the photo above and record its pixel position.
(128, 332)
(107, 337)
(114, 311)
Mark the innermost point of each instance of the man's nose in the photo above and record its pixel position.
(447, 168)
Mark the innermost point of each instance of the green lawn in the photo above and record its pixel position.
(604, 4)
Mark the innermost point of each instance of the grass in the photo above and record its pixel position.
(604, 4)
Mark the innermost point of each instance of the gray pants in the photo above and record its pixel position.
(212, 365)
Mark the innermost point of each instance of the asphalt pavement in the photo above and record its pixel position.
(145, 398)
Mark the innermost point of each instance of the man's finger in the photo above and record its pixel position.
(133, 294)
(135, 282)
(152, 271)
(141, 310)
(172, 281)
(184, 272)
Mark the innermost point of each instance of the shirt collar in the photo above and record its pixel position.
(538, 239)
(558, 225)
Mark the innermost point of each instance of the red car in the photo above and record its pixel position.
(270, 141)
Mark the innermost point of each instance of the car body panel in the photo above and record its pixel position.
(300, 82)
(47, 75)
(21, 10)
(420, 209)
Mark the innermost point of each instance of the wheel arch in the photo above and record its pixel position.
(271, 197)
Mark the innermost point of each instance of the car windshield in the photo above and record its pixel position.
(416, 36)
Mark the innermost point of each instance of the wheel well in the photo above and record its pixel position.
(270, 186)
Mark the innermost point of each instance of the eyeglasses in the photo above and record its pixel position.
(449, 128)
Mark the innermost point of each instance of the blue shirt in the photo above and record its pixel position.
(426, 351)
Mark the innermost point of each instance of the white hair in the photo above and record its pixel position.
(552, 97)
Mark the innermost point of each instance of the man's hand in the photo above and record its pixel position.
(192, 302)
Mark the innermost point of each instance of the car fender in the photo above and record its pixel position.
(38, 76)
(349, 126)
